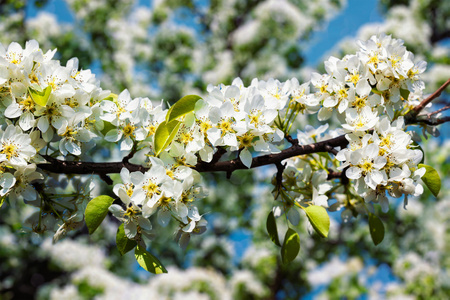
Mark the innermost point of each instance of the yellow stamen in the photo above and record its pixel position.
(9, 150)
(128, 130)
(151, 189)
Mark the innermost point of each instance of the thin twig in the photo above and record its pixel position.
(331, 150)
(333, 175)
(290, 139)
(416, 110)
(280, 170)
(438, 111)
(434, 122)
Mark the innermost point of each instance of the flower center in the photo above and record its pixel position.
(225, 126)
(386, 141)
(342, 93)
(164, 201)
(151, 130)
(366, 167)
(130, 190)
(69, 133)
(354, 78)
(151, 189)
(28, 103)
(130, 212)
(52, 111)
(14, 58)
(120, 110)
(186, 137)
(359, 103)
(128, 130)
(9, 150)
(323, 89)
(204, 126)
(245, 140)
(374, 60)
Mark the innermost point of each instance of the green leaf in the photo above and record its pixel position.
(271, 226)
(319, 219)
(431, 179)
(404, 93)
(2, 200)
(40, 98)
(107, 126)
(164, 135)
(112, 97)
(183, 106)
(123, 243)
(149, 262)
(374, 90)
(291, 246)
(376, 228)
(96, 211)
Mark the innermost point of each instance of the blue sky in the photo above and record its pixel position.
(346, 23)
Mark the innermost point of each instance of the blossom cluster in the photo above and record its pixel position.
(368, 92)
(60, 111)
(234, 117)
(46, 108)
(384, 161)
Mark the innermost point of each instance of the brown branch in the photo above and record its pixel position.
(334, 175)
(438, 111)
(331, 150)
(102, 169)
(280, 170)
(416, 110)
(434, 122)
(290, 139)
(219, 153)
(294, 150)
(93, 168)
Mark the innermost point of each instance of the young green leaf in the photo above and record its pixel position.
(291, 246)
(271, 226)
(149, 262)
(375, 91)
(123, 243)
(319, 219)
(112, 97)
(376, 228)
(404, 93)
(183, 106)
(431, 179)
(40, 98)
(96, 211)
(164, 135)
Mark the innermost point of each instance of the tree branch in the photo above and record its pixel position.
(438, 111)
(294, 150)
(101, 169)
(92, 168)
(416, 110)
(434, 122)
